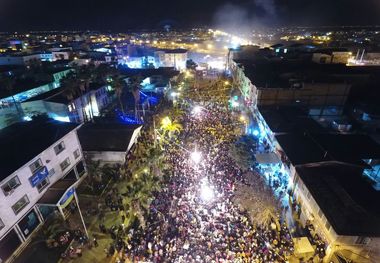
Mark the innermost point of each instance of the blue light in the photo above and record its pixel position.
(256, 133)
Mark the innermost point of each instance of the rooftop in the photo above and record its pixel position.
(285, 119)
(267, 72)
(309, 148)
(115, 137)
(22, 85)
(21, 142)
(58, 95)
(338, 190)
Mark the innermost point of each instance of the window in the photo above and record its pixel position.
(327, 225)
(51, 172)
(59, 148)
(362, 240)
(76, 154)
(65, 164)
(1, 224)
(20, 204)
(42, 185)
(9, 186)
(35, 166)
(320, 213)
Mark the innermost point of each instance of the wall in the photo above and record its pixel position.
(51, 161)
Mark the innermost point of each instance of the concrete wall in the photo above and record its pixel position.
(51, 161)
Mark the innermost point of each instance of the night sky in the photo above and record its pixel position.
(119, 15)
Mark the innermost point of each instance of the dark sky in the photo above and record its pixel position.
(121, 15)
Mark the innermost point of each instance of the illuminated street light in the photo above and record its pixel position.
(196, 156)
(235, 104)
(226, 83)
(197, 110)
(242, 118)
(209, 46)
(207, 193)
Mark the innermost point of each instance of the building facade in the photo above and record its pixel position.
(24, 183)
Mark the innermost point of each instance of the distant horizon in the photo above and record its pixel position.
(129, 30)
(121, 15)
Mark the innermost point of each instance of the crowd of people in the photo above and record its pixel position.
(193, 218)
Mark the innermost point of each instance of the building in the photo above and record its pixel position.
(117, 140)
(59, 105)
(20, 59)
(41, 161)
(23, 89)
(339, 202)
(332, 56)
(171, 58)
(281, 82)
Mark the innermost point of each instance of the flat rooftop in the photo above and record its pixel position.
(58, 95)
(347, 200)
(265, 72)
(309, 148)
(287, 119)
(113, 137)
(21, 142)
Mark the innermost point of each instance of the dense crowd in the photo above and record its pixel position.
(193, 218)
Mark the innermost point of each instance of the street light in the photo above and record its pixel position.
(197, 110)
(196, 156)
(207, 193)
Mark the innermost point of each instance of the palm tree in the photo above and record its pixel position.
(94, 174)
(8, 83)
(72, 88)
(170, 127)
(118, 85)
(134, 85)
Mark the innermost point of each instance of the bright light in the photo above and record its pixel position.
(242, 118)
(196, 156)
(255, 133)
(166, 121)
(27, 118)
(206, 192)
(234, 104)
(209, 46)
(226, 83)
(197, 110)
(61, 119)
(174, 94)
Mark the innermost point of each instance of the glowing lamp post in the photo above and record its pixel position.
(196, 157)
(197, 110)
(207, 194)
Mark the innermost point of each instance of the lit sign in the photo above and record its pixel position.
(40, 175)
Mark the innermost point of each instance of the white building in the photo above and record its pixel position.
(37, 157)
(172, 58)
(70, 108)
(117, 140)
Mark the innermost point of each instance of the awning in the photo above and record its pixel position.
(267, 158)
(57, 192)
(302, 247)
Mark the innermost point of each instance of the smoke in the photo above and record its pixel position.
(243, 18)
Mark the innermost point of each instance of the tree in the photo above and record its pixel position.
(118, 85)
(8, 83)
(258, 199)
(243, 150)
(134, 85)
(94, 174)
(170, 127)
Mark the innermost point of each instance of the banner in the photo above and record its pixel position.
(66, 199)
(40, 175)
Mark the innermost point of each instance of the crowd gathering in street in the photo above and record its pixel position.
(193, 217)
